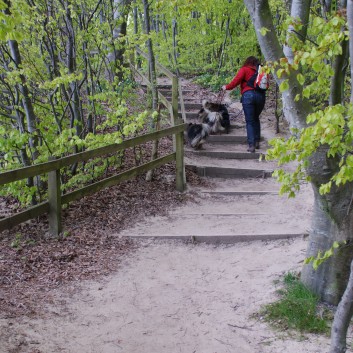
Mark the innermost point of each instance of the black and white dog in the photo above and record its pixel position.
(216, 115)
(214, 118)
(197, 134)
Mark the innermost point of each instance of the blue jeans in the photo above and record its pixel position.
(253, 104)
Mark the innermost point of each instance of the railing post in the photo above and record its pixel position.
(178, 139)
(54, 198)
(179, 161)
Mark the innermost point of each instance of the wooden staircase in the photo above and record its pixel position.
(223, 155)
(243, 202)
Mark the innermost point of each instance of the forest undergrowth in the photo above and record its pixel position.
(32, 263)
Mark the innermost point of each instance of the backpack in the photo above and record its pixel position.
(260, 80)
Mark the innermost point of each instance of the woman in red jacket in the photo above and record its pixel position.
(253, 101)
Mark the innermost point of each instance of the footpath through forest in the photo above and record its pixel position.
(199, 275)
(240, 201)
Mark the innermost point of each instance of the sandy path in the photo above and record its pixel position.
(173, 297)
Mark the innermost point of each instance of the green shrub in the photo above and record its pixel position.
(296, 309)
(212, 81)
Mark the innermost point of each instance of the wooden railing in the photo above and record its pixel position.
(53, 206)
(56, 199)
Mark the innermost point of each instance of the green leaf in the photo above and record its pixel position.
(317, 66)
(301, 79)
(264, 31)
(306, 92)
(284, 86)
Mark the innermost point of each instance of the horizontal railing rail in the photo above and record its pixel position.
(26, 172)
(56, 199)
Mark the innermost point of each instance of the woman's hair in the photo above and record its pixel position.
(251, 61)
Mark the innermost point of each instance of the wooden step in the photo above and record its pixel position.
(168, 92)
(193, 114)
(226, 139)
(190, 115)
(241, 193)
(236, 134)
(222, 239)
(160, 86)
(226, 154)
(232, 173)
(192, 106)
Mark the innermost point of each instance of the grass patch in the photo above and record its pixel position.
(296, 309)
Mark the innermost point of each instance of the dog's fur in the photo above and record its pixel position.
(216, 115)
(212, 119)
(197, 134)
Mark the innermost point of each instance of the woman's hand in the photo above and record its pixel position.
(224, 88)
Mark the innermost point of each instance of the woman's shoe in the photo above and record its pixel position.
(251, 148)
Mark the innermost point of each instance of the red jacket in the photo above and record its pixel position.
(241, 78)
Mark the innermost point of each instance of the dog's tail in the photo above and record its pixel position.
(200, 138)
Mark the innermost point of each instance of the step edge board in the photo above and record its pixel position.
(223, 239)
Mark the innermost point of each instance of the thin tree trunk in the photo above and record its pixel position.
(295, 112)
(153, 79)
(223, 47)
(151, 58)
(28, 109)
(300, 9)
(74, 90)
(350, 28)
(26, 97)
(116, 58)
(340, 65)
(170, 57)
(136, 17)
(342, 318)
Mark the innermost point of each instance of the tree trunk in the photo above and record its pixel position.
(332, 219)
